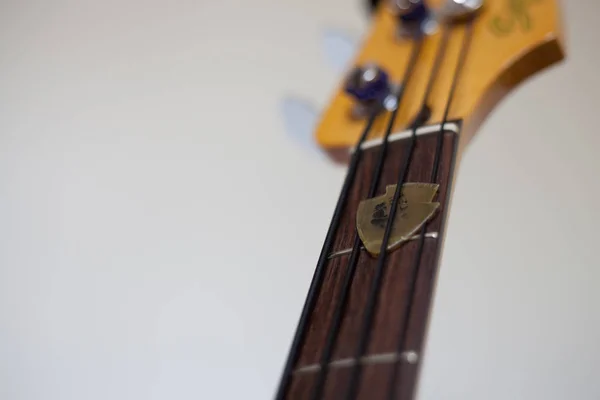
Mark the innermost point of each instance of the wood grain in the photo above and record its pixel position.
(393, 295)
(418, 171)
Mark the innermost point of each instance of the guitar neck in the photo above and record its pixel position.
(362, 330)
(326, 356)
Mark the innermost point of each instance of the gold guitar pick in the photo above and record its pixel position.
(415, 207)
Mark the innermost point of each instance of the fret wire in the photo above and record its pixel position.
(371, 359)
(431, 235)
(318, 275)
(365, 331)
(407, 312)
(340, 307)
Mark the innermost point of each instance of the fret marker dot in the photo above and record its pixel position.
(411, 357)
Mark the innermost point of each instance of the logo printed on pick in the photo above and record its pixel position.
(415, 207)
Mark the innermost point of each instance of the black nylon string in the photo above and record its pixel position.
(365, 332)
(318, 275)
(351, 268)
(407, 312)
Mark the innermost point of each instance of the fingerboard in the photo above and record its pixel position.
(378, 370)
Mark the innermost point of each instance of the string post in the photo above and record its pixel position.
(414, 18)
(370, 87)
(456, 11)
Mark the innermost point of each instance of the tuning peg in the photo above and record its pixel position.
(300, 119)
(411, 11)
(459, 10)
(338, 49)
(414, 18)
(370, 87)
(373, 5)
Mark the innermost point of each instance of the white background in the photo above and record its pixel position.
(158, 230)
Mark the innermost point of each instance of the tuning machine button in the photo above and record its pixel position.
(371, 89)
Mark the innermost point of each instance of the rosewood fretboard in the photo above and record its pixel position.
(377, 365)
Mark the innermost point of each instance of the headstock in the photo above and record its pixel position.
(510, 41)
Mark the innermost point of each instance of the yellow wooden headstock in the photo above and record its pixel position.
(511, 40)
